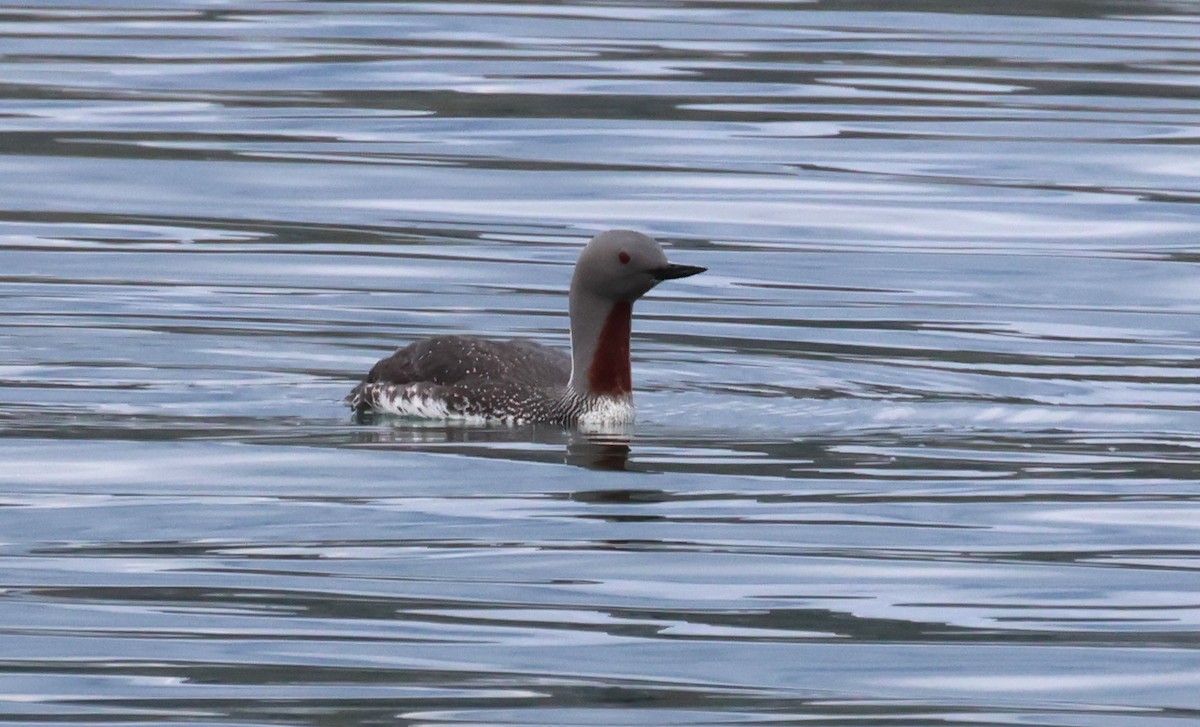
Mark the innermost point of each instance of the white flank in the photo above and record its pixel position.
(607, 410)
(405, 401)
(410, 401)
(414, 401)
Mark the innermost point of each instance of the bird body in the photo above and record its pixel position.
(516, 381)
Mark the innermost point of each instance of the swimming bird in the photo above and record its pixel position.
(520, 381)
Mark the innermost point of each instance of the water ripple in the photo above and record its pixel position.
(918, 448)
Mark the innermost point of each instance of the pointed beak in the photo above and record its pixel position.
(671, 271)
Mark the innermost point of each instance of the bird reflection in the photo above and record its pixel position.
(607, 450)
(598, 448)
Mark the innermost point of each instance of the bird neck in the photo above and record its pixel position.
(600, 347)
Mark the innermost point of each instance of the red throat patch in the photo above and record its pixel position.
(609, 373)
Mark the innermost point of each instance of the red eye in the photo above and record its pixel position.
(623, 257)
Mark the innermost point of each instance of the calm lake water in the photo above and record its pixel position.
(919, 449)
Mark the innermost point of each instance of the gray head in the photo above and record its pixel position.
(615, 269)
(623, 265)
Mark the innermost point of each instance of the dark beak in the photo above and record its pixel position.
(671, 271)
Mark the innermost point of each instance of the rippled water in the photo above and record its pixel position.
(918, 449)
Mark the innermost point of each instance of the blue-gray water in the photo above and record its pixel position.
(920, 448)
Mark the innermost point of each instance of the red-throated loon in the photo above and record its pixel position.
(463, 377)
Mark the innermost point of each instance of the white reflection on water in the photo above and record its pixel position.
(1051, 682)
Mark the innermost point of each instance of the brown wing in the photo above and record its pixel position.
(453, 360)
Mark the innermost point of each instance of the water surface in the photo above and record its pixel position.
(918, 449)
